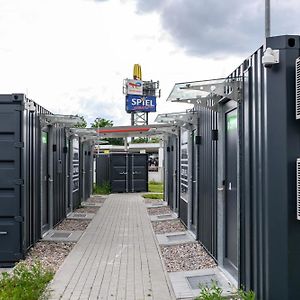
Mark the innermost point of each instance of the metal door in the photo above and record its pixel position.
(11, 212)
(44, 182)
(170, 187)
(231, 160)
(194, 202)
(119, 173)
(139, 172)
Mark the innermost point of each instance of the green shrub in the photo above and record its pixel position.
(215, 293)
(25, 282)
(103, 189)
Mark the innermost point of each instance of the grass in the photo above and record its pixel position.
(25, 282)
(103, 189)
(155, 187)
(153, 196)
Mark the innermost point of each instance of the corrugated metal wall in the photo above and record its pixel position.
(269, 146)
(207, 180)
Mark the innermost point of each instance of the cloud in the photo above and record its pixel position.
(221, 28)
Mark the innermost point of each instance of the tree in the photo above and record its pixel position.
(100, 123)
(82, 123)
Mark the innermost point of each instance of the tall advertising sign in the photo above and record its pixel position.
(139, 103)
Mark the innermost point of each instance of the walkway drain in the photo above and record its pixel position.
(164, 216)
(61, 235)
(196, 282)
(177, 237)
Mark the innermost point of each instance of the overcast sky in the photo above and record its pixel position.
(71, 56)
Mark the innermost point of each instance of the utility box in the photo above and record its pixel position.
(126, 172)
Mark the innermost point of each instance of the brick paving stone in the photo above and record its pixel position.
(116, 258)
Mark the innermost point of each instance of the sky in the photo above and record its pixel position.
(71, 56)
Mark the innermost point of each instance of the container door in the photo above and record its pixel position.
(44, 182)
(194, 206)
(119, 173)
(139, 171)
(231, 160)
(11, 222)
(170, 174)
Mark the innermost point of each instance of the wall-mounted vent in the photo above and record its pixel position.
(298, 88)
(298, 189)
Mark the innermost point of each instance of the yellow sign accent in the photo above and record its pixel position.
(106, 151)
(137, 72)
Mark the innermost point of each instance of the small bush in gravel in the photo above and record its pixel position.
(103, 189)
(25, 282)
(215, 293)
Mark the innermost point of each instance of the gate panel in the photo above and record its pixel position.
(139, 172)
(119, 173)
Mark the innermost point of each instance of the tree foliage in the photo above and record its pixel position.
(100, 123)
(82, 123)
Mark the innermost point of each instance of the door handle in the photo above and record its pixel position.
(123, 173)
(229, 186)
(3, 232)
(221, 188)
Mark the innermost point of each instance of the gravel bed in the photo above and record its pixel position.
(50, 254)
(159, 210)
(186, 257)
(96, 199)
(73, 225)
(87, 209)
(168, 226)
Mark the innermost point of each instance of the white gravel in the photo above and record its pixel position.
(168, 226)
(159, 210)
(50, 254)
(73, 225)
(186, 257)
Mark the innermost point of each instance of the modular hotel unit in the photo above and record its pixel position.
(230, 169)
(44, 173)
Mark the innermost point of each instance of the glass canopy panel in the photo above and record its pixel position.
(178, 118)
(69, 120)
(207, 92)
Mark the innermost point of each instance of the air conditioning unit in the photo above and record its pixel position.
(298, 88)
(298, 188)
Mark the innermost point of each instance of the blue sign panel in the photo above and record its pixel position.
(140, 103)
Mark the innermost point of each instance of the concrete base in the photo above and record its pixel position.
(175, 238)
(90, 204)
(80, 216)
(156, 204)
(62, 236)
(164, 217)
(181, 282)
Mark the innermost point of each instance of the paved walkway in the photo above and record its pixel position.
(116, 258)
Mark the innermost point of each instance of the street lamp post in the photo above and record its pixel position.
(267, 18)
